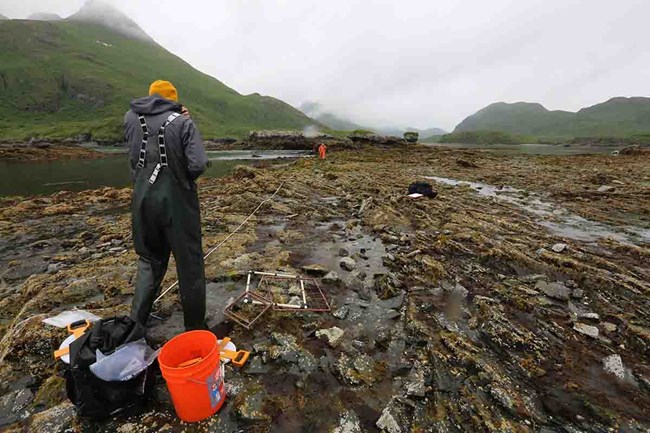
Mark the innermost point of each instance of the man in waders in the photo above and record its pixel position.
(322, 150)
(166, 156)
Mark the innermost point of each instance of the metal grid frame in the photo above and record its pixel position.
(246, 298)
(312, 297)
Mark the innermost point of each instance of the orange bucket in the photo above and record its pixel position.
(192, 369)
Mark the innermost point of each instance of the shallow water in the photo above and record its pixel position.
(532, 149)
(243, 155)
(47, 177)
(556, 219)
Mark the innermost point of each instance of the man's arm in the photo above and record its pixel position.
(128, 135)
(194, 149)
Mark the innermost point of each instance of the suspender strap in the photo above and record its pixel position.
(145, 138)
(161, 147)
(161, 139)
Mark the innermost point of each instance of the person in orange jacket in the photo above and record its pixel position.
(322, 150)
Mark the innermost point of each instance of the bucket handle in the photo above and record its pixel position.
(190, 363)
(205, 382)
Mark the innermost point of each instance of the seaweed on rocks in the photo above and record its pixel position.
(459, 314)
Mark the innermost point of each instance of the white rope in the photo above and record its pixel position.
(226, 239)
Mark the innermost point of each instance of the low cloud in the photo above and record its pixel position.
(406, 63)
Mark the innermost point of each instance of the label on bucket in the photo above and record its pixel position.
(215, 385)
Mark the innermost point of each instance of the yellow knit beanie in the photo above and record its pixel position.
(164, 89)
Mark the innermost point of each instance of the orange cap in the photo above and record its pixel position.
(164, 89)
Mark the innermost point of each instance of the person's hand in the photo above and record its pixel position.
(185, 112)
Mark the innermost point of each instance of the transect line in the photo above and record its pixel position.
(227, 237)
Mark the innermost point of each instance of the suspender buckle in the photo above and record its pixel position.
(154, 175)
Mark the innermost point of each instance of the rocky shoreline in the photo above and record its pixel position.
(46, 152)
(75, 149)
(483, 309)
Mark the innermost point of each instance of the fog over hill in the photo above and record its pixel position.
(44, 16)
(99, 12)
(388, 64)
(340, 123)
(337, 123)
(429, 132)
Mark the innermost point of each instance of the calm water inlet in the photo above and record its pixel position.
(47, 177)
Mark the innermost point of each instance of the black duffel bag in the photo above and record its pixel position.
(96, 398)
(423, 188)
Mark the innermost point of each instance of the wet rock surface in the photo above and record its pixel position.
(459, 314)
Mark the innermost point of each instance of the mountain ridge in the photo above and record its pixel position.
(61, 79)
(618, 116)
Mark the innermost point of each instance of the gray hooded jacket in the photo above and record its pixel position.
(185, 151)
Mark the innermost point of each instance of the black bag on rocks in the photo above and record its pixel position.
(423, 188)
(96, 398)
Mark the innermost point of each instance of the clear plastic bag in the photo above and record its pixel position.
(65, 318)
(125, 363)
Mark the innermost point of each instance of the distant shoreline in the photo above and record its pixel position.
(47, 152)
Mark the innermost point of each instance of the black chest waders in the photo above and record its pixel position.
(166, 219)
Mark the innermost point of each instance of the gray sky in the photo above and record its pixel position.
(403, 62)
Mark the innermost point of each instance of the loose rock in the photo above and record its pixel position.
(558, 248)
(57, 419)
(554, 290)
(332, 335)
(610, 327)
(315, 269)
(348, 264)
(589, 330)
(389, 420)
(53, 268)
(342, 312)
(614, 364)
(348, 423)
(331, 278)
(577, 293)
(415, 386)
(355, 371)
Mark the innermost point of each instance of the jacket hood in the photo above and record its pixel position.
(154, 104)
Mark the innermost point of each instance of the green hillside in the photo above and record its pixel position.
(484, 137)
(64, 78)
(618, 117)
